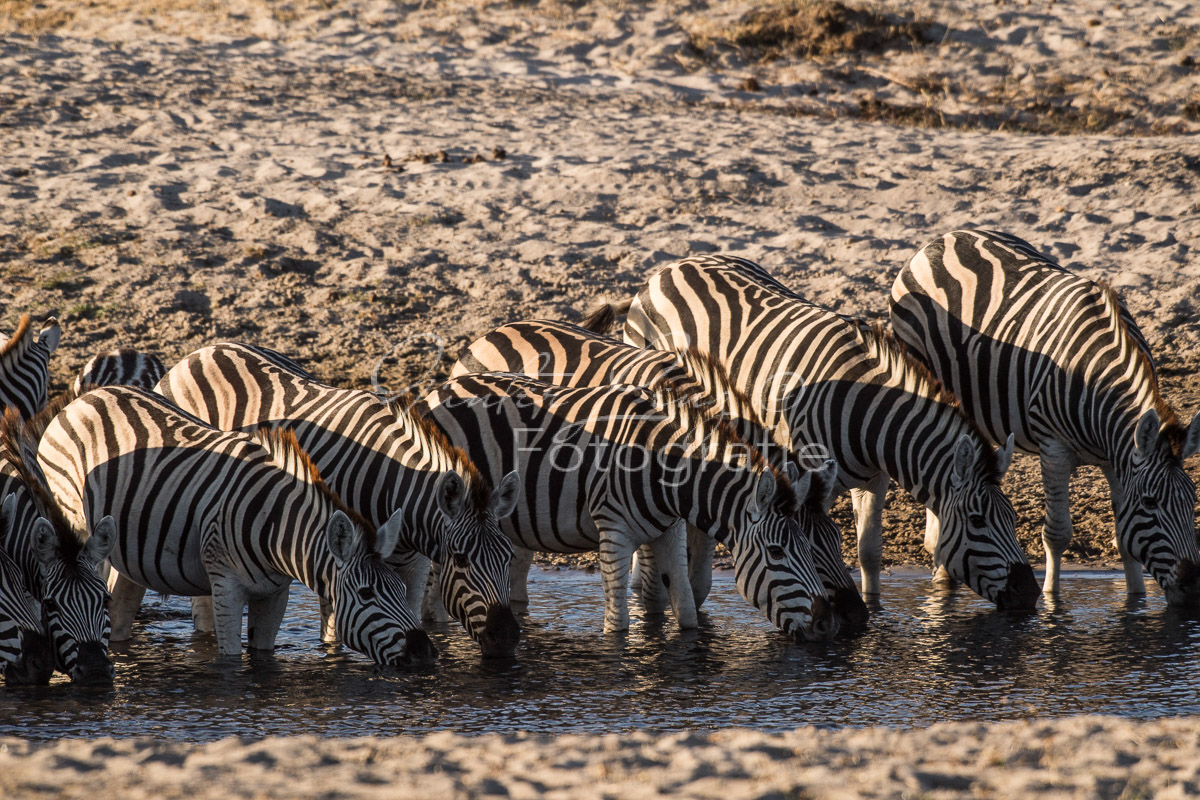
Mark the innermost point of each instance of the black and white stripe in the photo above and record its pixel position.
(568, 355)
(850, 388)
(58, 569)
(614, 468)
(380, 459)
(25, 366)
(234, 515)
(1055, 359)
(24, 648)
(121, 367)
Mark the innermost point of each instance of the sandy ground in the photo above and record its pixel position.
(1083, 757)
(368, 186)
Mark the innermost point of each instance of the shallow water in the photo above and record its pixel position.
(927, 657)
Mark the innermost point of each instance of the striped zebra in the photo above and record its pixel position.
(614, 468)
(120, 367)
(1037, 352)
(568, 355)
(852, 389)
(58, 568)
(24, 649)
(380, 458)
(234, 515)
(25, 366)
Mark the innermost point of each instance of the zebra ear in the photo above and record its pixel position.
(345, 541)
(1191, 441)
(389, 533)
(801, 483)
(964, 460)
(764, 493)
(45, 542)
(1145, 437)
(1004, 454)
(50, 335)
(828, 473)
(451, 492)
(101, 542)
(504, 496)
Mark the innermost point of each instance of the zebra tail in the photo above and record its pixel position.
(602, 319)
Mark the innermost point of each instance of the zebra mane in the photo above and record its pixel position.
(1172, 429)
(479, 489)
(289, 456)
(688, 405)
(18, 446)
(882, 345)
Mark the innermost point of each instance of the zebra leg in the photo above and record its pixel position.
(616, 557)
(868, 521)
(1057, 465)
(1135, 580)
(670, 553)
(433, 609)
(329, 634)
(123, 607)
(264, 618)
(518, 580)
(202, 614)
(699, 562)
(229, 598)
(414, 571)
(648, 587)
(933, 529)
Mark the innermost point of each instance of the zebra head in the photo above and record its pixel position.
(773, 563)
(1155, 508)
(75, 598)
(370, 608)
(977, 539)
(813, 489)
(24, 647)
(477, 558)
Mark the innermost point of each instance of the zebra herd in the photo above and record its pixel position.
(731, 410)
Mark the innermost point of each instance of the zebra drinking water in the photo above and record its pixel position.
(613, 468)
(25, 366)
(234, 515)
(1055, 360)
(24, 649)
(379, 458)
(851, 388)
(57, 567)
(568, 355)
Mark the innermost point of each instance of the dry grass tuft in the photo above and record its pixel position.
(815, 29)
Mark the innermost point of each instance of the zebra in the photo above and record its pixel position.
(852, 388)
(58, 568)
(616, 467)
(1056, 360)
(380, 458)
(120, 367)
(235, 515)
(24, 649)
(25, 366)
(568, 355)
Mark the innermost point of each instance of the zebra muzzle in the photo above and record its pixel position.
(92, 665)
(824, 625)
(501, 633)
(850, 607)
(36, 663)
(1185, 590)
(1021, 591)
(418, 649)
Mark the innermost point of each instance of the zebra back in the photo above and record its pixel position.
(25, 366)
(120, 367)
(380, 458)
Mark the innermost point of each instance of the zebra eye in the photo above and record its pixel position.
(1150, 502)
(461, 561)
(366, 594)
(775, 552)
(977, 521)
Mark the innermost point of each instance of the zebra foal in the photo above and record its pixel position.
(847, 386)
(234, 515)
(379, 458)
(614, 468)
(568, 355)
(1055, 360)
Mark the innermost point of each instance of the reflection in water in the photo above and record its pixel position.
(927, 656)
